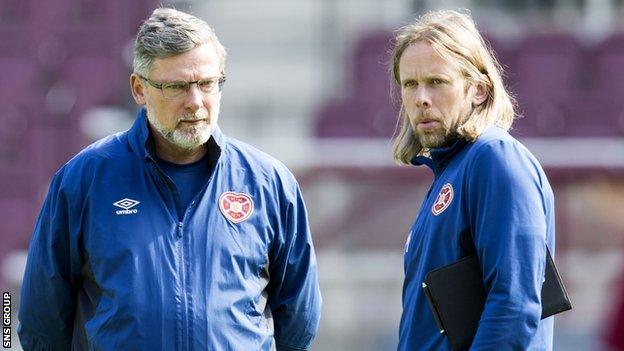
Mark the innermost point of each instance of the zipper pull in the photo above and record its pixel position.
(180, 229)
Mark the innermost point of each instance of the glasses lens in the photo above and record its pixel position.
(210, 86)
(175, 90)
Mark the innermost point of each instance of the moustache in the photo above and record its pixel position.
(199, 115)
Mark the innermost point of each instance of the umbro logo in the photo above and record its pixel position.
(126, 206)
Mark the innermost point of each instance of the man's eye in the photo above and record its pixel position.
(176, 86)
(206, 84)
(437, 81)
(410, 84)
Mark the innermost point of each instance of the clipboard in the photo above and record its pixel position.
(456, 295)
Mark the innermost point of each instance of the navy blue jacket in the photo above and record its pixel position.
(496, 189)
(110, 266)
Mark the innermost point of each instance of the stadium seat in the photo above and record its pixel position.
(540, 118)
(15, 232)
(606, 67)
(20, 80)
(368, 111)
(356, 118)
(91, 41)
(592, 116)
(371, 63)
(547, 66)
(94, 80)
(503, 50)
(342, 118)
(60, 143)
(16, 42)
(574, 115)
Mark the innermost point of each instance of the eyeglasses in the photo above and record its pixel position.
(177, 90)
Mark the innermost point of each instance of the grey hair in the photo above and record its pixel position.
(455, 38)
(169, 32)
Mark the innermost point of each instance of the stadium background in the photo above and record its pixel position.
(308, 83)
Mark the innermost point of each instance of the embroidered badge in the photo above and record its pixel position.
(444, 199)
(236, 207)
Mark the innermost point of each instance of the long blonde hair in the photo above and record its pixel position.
(456, 39)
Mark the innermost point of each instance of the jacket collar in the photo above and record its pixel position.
(439, 157)
(142, 145)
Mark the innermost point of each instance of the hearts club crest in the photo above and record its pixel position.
(236, 207)
(444, 199)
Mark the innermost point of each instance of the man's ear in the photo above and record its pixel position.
(480, 94)
(138, 89)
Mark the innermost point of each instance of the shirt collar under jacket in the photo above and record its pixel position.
(139, 138)
(439, 157)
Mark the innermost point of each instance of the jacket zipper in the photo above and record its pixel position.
(183, 323)
(185, 326)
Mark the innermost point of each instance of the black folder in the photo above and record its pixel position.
(456, 295)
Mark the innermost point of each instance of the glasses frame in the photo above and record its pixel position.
(160, 86)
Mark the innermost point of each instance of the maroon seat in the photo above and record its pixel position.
(540, 118)
(547, 66)
(368, 110)
(20, 80)
(342, 118)
(593, 116)
(504, 51)
(371, 65)
(20, 214)
(93, 81)
(606, 64)
(574, 115)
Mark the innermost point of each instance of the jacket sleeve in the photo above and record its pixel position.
(508, 210)
(295, 298)
(47, 308)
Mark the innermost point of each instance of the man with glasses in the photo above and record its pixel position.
(172, 236)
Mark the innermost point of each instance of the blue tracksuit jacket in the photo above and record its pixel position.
(495, 188)
(110, 267)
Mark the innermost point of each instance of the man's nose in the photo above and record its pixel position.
(423, 98)
(194, 98)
